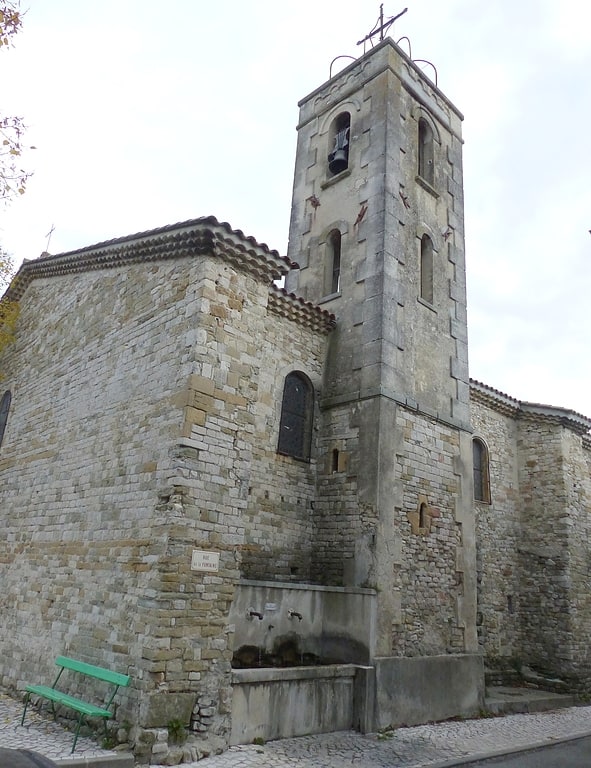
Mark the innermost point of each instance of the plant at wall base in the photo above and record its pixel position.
(110, 740)
(386, 733)
(177, 733)
(117, 734)
(485, 714)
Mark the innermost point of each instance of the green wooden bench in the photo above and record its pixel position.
(84, 708)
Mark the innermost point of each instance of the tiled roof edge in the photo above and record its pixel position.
(190, 237)
(297, 309)
(510, 406)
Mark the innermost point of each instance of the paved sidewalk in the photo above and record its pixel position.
(425, 746)
(432, 746)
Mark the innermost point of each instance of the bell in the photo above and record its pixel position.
(338, 161)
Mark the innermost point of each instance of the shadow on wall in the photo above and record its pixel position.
(287, 625)
(287, 652)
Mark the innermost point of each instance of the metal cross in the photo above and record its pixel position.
(382, 26)
(48, 236)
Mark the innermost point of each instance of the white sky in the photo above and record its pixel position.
(146, 113)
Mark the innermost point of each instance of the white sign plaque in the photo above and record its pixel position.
(205, 561)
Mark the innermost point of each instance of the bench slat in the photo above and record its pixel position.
(116, 678)
(69, 701)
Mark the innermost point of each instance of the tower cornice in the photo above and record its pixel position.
(365, 62)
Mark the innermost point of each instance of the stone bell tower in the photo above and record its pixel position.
(377, 228)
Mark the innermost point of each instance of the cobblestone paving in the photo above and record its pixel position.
(420, 747)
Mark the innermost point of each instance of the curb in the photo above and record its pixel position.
(491, 754)
(121, 760)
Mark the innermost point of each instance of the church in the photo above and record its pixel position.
(288, 510)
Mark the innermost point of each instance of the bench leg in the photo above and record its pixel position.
(27, 695)
(78, 724)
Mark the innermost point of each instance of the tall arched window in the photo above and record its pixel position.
(423, 515)
(334, 261)
(426, 269)
(480, 468)
(295, 427)
(426, 164)
(4, 408)
(338, 137)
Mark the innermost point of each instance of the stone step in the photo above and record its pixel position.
(503, 700)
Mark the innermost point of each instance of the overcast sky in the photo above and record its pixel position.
(146, 113)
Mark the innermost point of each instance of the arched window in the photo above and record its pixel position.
(481, 473)
(426, 269)
(295, 428)
(334, 263)
(338, 137)
(423, 515)
(4, 408)
(426, 165)
(335, 460)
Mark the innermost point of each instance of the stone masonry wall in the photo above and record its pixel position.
(92, 374)
(232, 429)
(225, 461)
(428, 556)
(578, 488)
(340, 521)
(282, 490)
(498, 538)
(533, 543)
(556, 491)
(425, 552)
(130, 443)
(544, 555)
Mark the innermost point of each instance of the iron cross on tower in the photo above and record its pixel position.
(381, 26)
(48, 236)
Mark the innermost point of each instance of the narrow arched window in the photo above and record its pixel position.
(338, 158)
(335, 460)
(334, 252)
(295, 428)
(426, 165)
(4, 408)
(426, 269)
(423, 515)
(481, 471)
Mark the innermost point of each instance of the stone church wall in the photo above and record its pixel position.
(341, 522)
(533, 541)
(577, 454)
(141, 425)
(425, 550)
(427, 564)
(92, 374)
(544, 548)
(498, 535)
(555, 491)
(281, 490)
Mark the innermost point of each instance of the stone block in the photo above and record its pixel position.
(158, 709)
